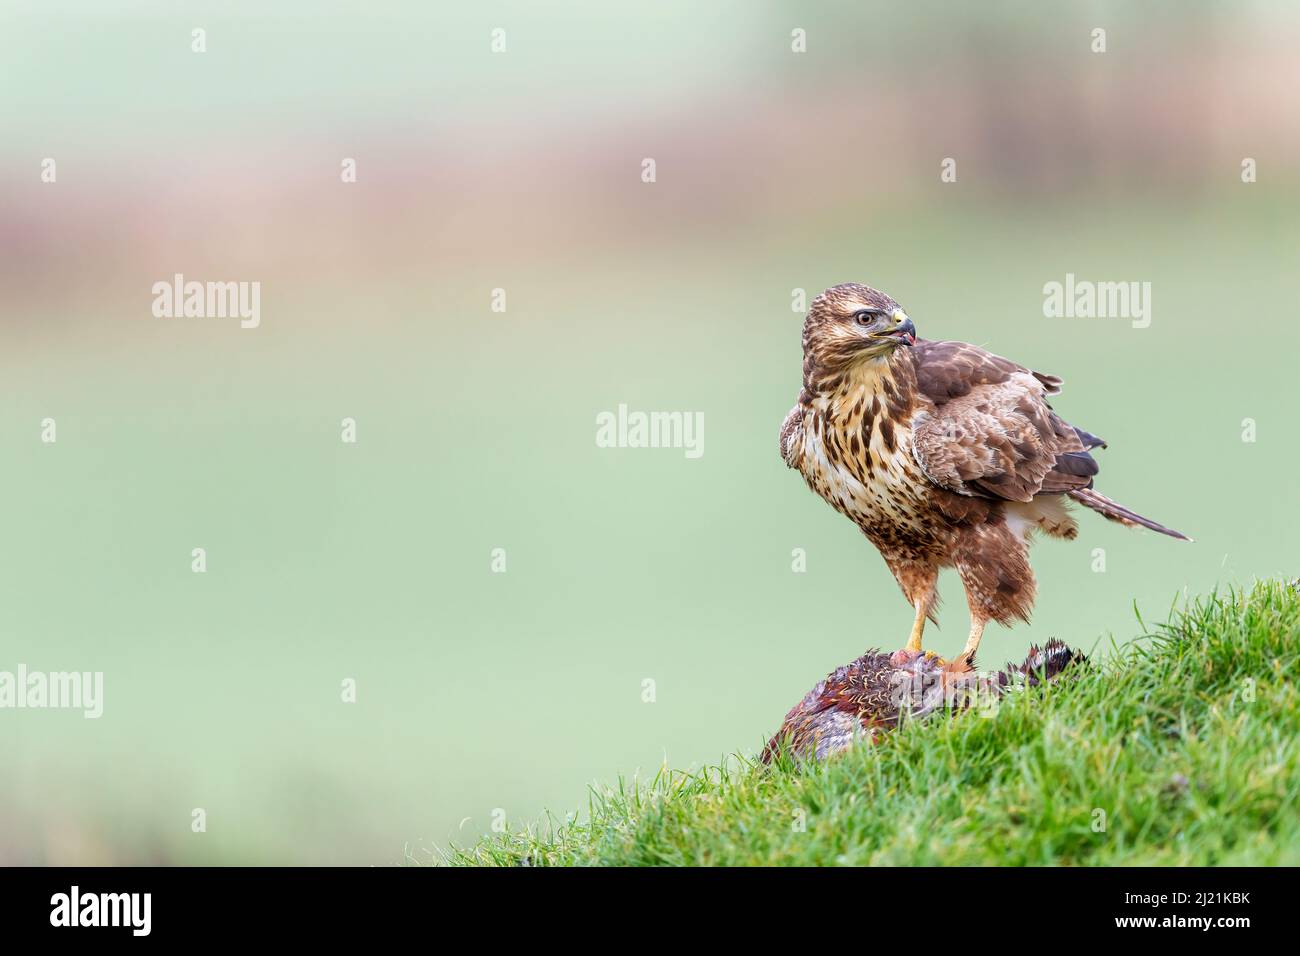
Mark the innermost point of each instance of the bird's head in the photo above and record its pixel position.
(851, 322)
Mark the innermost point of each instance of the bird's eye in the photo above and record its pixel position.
(864, 317)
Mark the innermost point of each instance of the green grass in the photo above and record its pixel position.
(1187, 740)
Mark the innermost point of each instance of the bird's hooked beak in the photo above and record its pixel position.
(905, 327)
(899, 328)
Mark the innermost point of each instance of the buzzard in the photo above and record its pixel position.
(943, 454)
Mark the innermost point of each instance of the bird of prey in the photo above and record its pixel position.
(943, 454)
(862, 700)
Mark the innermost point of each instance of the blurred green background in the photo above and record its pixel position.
(522, 170)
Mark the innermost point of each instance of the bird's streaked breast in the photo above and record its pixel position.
(856, 454)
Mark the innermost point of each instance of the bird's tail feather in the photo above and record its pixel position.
(1117, 512)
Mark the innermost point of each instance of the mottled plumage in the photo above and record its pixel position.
(943, 454)
(864, 699)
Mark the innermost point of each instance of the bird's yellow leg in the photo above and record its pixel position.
(973, 642)
(918, 628)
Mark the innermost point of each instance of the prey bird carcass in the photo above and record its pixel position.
(861, 701)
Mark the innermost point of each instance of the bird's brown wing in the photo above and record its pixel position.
(790, 429)
(991, 433)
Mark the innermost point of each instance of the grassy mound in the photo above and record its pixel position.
(1182, 748)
